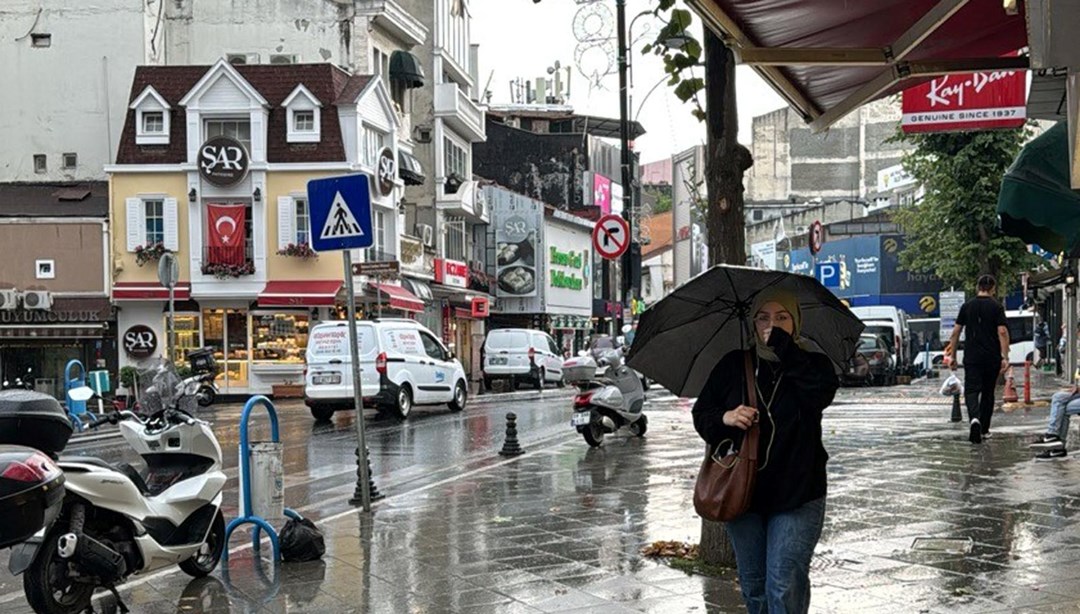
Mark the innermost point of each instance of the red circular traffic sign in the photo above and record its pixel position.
(611, 236)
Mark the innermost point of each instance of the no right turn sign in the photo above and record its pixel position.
(611, 236)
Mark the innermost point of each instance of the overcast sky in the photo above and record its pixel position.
(521, 39)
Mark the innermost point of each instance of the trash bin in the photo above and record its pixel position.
(267, 480)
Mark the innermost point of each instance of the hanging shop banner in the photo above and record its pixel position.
(226, 234)
(517, 225)
(970, 101)
(451, 273)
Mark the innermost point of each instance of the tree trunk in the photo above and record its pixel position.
(725, 162)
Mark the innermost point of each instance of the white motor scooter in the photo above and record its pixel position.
(117, 522)
(605, 404)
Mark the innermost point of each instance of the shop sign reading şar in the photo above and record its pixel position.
(223, 161)
(971, 101)
(140, 341)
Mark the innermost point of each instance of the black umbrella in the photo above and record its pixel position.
(681, 339)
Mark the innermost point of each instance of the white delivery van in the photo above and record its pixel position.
(402, 364)
(902, 339)
(521, 355)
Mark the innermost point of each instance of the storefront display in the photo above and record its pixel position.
(279, 337)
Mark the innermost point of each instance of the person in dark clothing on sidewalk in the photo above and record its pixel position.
(775, 539)
(986, 354)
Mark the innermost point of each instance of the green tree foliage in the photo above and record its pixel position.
(681, 58)
(953, 231)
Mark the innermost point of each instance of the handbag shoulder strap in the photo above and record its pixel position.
(749, 447)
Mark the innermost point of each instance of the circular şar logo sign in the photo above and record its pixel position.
(140, 341)
(223, 161)
(385, 171)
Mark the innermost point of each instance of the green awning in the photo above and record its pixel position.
(1036, 203)
(406, 68)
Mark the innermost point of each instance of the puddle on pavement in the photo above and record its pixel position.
(943, 544)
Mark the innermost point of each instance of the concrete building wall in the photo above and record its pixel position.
(69, 96)
(797, 223)
(792, 162)
(75, 247)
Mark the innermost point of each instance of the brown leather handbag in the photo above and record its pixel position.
(725, 486)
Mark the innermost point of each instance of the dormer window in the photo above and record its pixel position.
(151, 118)
(303, 113)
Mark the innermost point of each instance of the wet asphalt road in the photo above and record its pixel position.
(320, 464)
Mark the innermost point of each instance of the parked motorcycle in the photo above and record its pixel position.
(22, 382)
(606, 403)
(204, 388)
(116, 521)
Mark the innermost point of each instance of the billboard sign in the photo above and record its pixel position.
(971, 101)
(518, 222)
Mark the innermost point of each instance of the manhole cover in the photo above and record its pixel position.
(959, 545)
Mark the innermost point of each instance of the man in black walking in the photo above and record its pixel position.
(986, 354)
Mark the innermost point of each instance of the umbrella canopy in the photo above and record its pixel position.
(682, 338)
(1036, 202)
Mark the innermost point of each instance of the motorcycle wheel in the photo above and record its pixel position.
(209, 554)
(593, 434)
(47, 583)
(206, 396)
(639, 426)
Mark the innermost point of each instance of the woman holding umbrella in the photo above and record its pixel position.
(775, 539)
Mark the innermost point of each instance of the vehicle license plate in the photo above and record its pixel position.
(579, 419)
(329, 378)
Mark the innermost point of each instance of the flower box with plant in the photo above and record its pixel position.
(221, 270)
(151, 252)
(298, 250)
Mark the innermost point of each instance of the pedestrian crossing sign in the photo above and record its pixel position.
(340, 211)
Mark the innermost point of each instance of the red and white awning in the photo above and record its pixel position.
(300, 293)
(148, 291)
(399, 297)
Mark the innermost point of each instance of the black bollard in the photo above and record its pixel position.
(956, 416)
(511, 447)
(358, 495)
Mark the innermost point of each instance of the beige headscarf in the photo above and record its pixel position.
(791, 304)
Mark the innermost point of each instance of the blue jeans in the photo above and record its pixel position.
(773, 553)
(1060, 410)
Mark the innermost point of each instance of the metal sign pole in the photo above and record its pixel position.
(172, 323)
(358, 397)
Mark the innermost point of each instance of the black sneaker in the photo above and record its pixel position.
(976, 432)
(1052, 455)
(1047, 442)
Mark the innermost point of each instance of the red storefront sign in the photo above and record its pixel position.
(451, 273)
(480, 307)
(971, 101)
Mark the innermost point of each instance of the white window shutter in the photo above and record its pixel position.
(172, 225)
(286, 221)
(136, 223)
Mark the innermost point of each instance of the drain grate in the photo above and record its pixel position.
(951, 545)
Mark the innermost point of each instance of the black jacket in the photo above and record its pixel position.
(791, 469)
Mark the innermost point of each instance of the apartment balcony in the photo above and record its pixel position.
(467, 201)
(455, 108)
(223, 263)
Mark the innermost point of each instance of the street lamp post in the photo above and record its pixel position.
(628, 258)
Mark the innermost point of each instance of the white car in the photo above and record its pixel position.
(402, 364)
(521, 355)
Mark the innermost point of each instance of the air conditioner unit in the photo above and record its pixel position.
(9, 299)
(37, 299)
(427, 234)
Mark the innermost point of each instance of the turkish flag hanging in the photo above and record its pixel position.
(226, 234)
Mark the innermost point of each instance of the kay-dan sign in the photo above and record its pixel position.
(971, 101)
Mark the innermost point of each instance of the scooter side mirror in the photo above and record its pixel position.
(82, 393)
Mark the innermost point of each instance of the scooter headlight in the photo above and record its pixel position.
(608, 397)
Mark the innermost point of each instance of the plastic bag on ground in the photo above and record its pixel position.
(301, 541)
(951, 386)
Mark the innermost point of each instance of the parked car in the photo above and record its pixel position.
(857, 372)
(888, 333)
(901, 341)
(881, 367)
(403, 364)
(521, 355)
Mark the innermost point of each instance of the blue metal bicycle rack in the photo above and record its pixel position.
(76, 409)
(247, 516)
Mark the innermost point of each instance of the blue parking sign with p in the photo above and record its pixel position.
(828, 273)
(340, 211)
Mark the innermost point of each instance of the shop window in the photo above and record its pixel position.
(239, 129)
(154, 214)
(279, 337)
(187, 336)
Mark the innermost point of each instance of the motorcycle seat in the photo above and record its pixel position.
(87, 460)
(125, 469)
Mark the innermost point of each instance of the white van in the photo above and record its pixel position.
(402, 364)
(521, 355)
(1021, 325)
(902, 341)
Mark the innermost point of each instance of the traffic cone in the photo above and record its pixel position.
(1010, 395)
